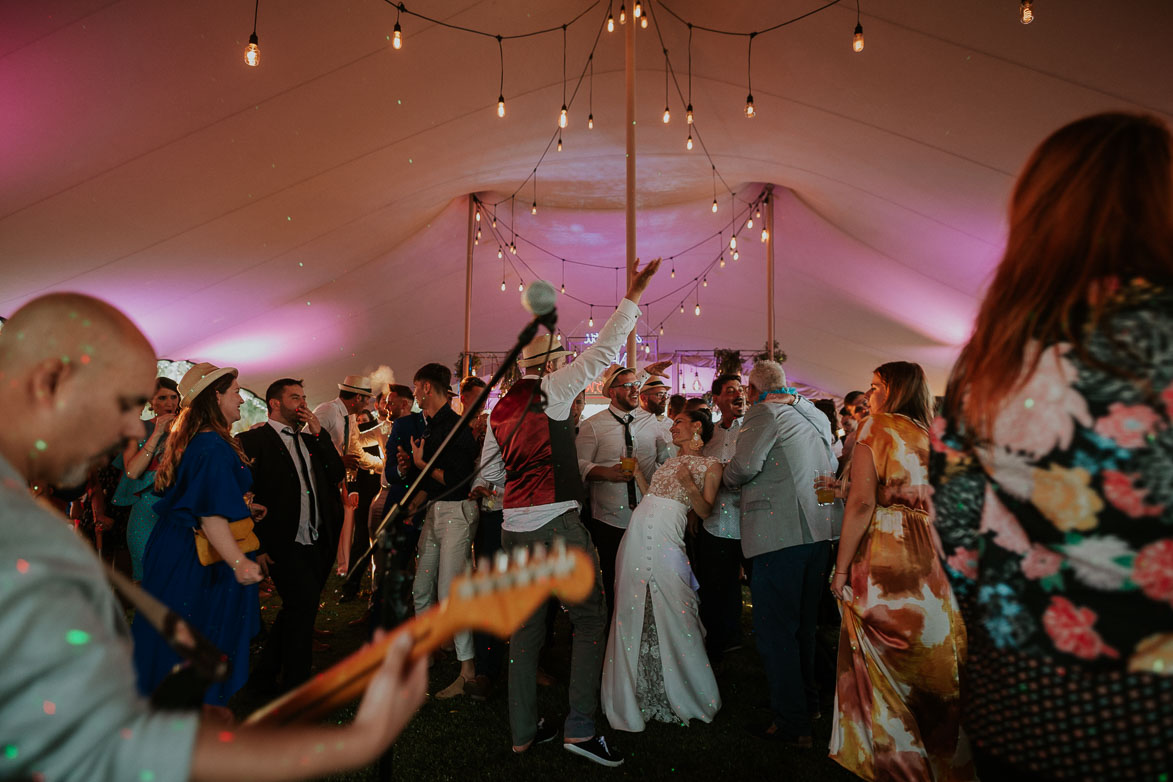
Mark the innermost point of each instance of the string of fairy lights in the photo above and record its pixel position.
(742, 218)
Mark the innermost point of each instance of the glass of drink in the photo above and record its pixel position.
(825, 487)
(628, 463)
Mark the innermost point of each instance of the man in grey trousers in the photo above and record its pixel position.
(784, 441)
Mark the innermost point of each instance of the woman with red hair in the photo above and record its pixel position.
(1053, 466)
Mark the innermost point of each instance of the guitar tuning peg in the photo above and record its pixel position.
(520, 556)
(467, 571)
(502, 561)
(483, 566)
(560, 547)
(539, 552)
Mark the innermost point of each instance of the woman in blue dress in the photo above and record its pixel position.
(141, 459)
(202, 478)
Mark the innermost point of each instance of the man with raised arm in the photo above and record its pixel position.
(76, 373)
(533, 455)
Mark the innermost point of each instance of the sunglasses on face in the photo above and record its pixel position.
(628, 384)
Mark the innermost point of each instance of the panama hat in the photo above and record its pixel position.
(653, 383)
(542, 349)
(612, 373)
(356, 384)
(200, 377)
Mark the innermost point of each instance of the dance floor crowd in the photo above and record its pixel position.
(999, 559)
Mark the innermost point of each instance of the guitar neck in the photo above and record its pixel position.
(497, 601)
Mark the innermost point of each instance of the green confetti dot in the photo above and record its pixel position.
(77, 637)
(1028, 404)
(10, 751)
(409, 160)
(146, 775)
(299, 263)
(400, 102)
(307, 304)
(288, 218)
(41, 445)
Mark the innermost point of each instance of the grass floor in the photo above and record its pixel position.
(461, 739)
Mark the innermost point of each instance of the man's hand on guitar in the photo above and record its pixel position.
(392, 697)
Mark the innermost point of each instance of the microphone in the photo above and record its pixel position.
(539, 299)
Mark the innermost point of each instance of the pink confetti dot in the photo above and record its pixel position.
(22, 566)
(227, 737)
(126, 733)
(50, 707)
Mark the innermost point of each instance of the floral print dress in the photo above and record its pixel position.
(902, 642)
(1058, 537)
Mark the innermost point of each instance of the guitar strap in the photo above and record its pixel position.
(204, 664)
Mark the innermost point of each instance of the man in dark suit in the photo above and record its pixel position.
(296, 472)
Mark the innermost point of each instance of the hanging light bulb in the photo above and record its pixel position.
(765, 235)
(758, 213)
(647, 349)
(478, 234)
(696, 379)
(559, 336)
(500, 105)
(661, 329)
(520, 287)
(643, 22)
(397, 37)
(733, 242)
(562, 119)
(667, 115)
(500, 253)
(705, 282)
(714, 206)
(697, 310)
(749, 223)
(502, 286)
(494, 220)
(638, 11)
(1026, 13)
(688, 114)
(610, 23)
(622, 14)
(252, 52)
(591, 122)
(564, 287)
(673, 274)
(559, 142)
(513, 248)
(533, 210)
(682, 308)
(688, 144)
(591, 319)
(736, 255)
(749, 109)
(857, 39)
(478, 216)
(722, 260)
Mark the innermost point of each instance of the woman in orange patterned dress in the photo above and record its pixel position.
(902, 641)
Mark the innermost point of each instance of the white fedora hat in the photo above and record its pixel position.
(356, 384)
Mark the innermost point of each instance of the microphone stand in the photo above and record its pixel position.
(392, 602)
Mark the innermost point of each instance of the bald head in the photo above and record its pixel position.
(74, 374)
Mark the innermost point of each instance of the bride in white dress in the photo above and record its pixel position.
(656, 666)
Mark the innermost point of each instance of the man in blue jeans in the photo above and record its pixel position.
(784, 441)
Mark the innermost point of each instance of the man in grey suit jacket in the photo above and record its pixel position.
(784, 441)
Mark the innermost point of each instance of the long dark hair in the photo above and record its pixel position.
(1093, 204)
(203, 413)
(908, 391)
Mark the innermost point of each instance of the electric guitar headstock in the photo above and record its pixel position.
(497, 598)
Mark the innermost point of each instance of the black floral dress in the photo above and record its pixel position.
(1058, 539)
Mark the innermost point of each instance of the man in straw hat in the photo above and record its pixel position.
(338, 417)
(76, 375)
(532, 454)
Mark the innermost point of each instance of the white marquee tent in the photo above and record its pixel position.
(309, 216)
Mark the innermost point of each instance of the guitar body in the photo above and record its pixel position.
(495, 600)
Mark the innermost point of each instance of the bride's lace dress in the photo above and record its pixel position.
(656, 666)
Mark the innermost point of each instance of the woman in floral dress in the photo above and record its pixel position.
(656, 666)
(1053, 467)
(897, 693)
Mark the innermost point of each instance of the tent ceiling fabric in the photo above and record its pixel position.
(308, 217)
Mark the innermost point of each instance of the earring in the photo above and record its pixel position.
(696, 438)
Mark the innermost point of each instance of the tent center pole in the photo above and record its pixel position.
(629, 83)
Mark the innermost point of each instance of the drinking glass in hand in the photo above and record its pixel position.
(825, 487)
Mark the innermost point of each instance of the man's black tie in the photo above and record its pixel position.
(629, 451)
(309, 483)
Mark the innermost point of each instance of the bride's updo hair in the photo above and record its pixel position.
(705, 419)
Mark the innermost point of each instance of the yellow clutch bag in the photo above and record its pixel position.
(241, 530)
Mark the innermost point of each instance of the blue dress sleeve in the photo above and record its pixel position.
(208, 483)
